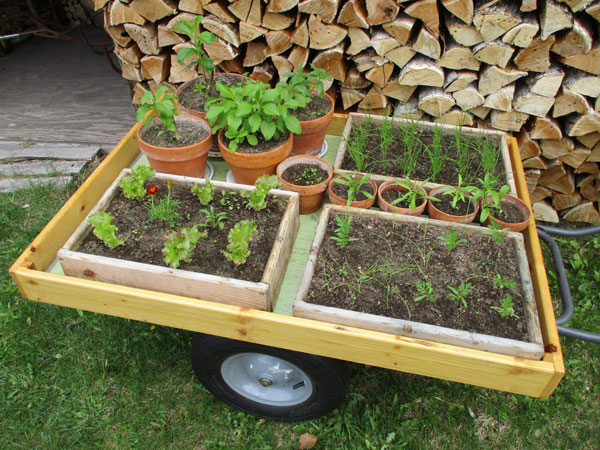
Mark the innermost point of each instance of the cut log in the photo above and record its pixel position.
(220, 10)
(282, 65)
(583, 213)
(545, 128)
(565, 201)
(326, 10)
(493, 78)
(481, 112)
(181, 17)
(374, 100)
(546, 84)
(536, 162)
(332, 61)
(180, 73)
(118, 34)
(594, 11)
(380, 75)
(156, 66)
(576, 157)
(589, 187)
(400, 55)
(249, 32)
(528, 5)
(501, 99)
(577, 5)
(154, 10)
(132, 73)
(554, 17)
(355, 79)
(99, 4)
(522, 35)
(278, 41)
(409, 110)
(281, 5)
(495, 53)
(527, 102)
(468, 98)
(427, 11)
(380, 11)
(401, 28)
(383, 42)
(553, 173)
(539, 193)
(463, 9)
(221, 50)
(256, 53)
(589, 140)
(435, 102)
(462, 33)
(255, 13)
(536, 57)
(222, 29)
(427, 44)
(543, 212)
(359, 40)
(578, 125)
(278, 21)
(299, 56)
(582, 83)
(421, 71)
(191, 6)
(398, 91)
(241, 9)
(263, 72)
(353, 14)
(570, 102)
(300, 36)
(528, 148)
(324, 36)
(369, 59)
(577, 41)
(508, 121)
(458, 57)
(351, 96)
(595, 156)
(589, 62)
(166, 37)
(130, 55)
(455, 81)
(554, 148)
(120, 13)
(588, 167)
(457, 117)
(139, 90)
(495, 20)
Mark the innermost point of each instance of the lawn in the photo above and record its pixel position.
(73, 379)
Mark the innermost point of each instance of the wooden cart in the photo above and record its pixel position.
(285, 332)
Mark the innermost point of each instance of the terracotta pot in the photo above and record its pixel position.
(310, 196)
(337, 200)
(438, 214)
(388, 207)
(313, 133)
(509, 199)
(189, 161)
(247, 167)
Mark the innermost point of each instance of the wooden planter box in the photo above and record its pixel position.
(215, 288)
(534, 349)
(359, 119)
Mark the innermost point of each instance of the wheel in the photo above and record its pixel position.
(269, 382)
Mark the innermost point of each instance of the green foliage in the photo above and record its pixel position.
(459, 193)
(258, 197)
(461, 292)
(165, 209)
(491, 199)
(451, 239)
(411, 138)
(238, 239)
(504, 283)
(204, 193)
(309, 176)
(247, 111)
(507, 308)
(495, 231)
(355, 183)
(180, 246)
(413, 194)
(162, 105)
(436, 154)
(425, 288)
(342, 232)
(133, 185)
(104, 229)
(213, 219)
(299, 85)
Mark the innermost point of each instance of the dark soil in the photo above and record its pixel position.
(304, 174)
(378, 274)
(144, 240)
(189, 134)
(391, 195)
(317, 107)
(509, 214)
(444, 204)
(387, 163)
(194, 101)
(262, 145)
(341, 190)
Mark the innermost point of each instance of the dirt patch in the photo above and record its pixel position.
(194, 101)
(305, 174)
(317, 107)
(189, 133)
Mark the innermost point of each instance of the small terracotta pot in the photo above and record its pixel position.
(313, 133)
(189, 161)
(337, 200)
(438, 214)
(247, 167)
(310, 196)
(509, 199)
(388, 207)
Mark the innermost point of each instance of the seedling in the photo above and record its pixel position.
(436, 154)
(459, 193)
(411, 137)
(426, 290)
(356, 146)
(508, 307)
(104, 229)
(309, 176)
(204, 193)
(299, 85)
(495, 231)
(502, 283)
(132, 185)
(258, 197)
(238, 239)
(413, 193)
(461, 292)
(162, 105)
(386, 136)
(342, 232)
(180, 246)
(165, 209)
(451, 239)
(355, 183)
(490, 198)
(464, 156)
(214, 219)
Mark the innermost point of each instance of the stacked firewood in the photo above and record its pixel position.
(527, 67)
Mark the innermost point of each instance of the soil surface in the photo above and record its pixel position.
(341, 190)
(189, 133)
(194, 101)
(262, 145)
(144, 240)
(317, 107)
(444, 204)
(378, 274)
(509, 214)
(304, 174)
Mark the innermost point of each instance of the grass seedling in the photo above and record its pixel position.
(489, 154)
(180, 246)
(413, 194)
(426, 290)
(342, 232)
(356, 145)
(163, 105)
(508, 307)
(238, 239)
(165, 209)
(386, 137)
(355, 183)
(464, 156)
(258, 197)
(436, 154)
(461, 292)
(132, 185)
(411, 138)
(213, 219)
(451, 239)
(495, 231)
(502, 283)
(204, 193)
(104, 229)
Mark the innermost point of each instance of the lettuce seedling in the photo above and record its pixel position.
(239, 237)
(204, 193)
(180, 246)
(262, 186)
(104, 229)
(132, 185)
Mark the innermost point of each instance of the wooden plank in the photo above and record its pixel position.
(20, 151)
(36, 168)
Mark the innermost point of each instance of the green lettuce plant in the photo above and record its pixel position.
(238, 239)
(104, 229)
(257, 199)
(132, 185)
(204, 193)
(180, 246)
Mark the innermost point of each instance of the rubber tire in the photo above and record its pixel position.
(329, 378)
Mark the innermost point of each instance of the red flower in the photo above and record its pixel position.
(152, 190)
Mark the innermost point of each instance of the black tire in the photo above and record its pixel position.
(325, 389)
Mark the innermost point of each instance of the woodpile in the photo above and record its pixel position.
(530, 68)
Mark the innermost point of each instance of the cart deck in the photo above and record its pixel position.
(279, 329)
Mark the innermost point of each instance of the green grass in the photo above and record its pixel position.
(72, 379)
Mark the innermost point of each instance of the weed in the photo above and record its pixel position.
(460, 292)
(451, 239)
(425, 288)
(503, 283)
(495, 231)
(508, 307)
(342, 232)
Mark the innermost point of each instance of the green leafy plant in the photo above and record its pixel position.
(104, 229)
(238, 239)
(413, 193)
(459, 193)
(165, 209)
(245, 112)
(461, 292)
(309, 176)
(503, 283)
(425, 288)
(495, 231)
(451, 239)
(411, 138)
(214, 219)
(464, 155)
(262, 186)
(132, 185)
(162, 105)
(355, 183)
(491, 199)
(508, 307)
(342, 232)
(436, 154)
(204, 193)
(180, 246)
(299, 86)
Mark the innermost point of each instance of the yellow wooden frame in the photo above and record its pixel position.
(506, 373)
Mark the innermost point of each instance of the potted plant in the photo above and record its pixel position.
(173, 143)
(455, 204)
(358, 190)
(315, 110)
(308, 175)
(403, 196)
(255, 128)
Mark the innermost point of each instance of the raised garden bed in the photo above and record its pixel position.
(373, 282)
(209, 275)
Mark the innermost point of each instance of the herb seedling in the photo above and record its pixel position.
(104, 229)
(464, 156)
(461, 292)
(342, 232)
(508, 307)
(386, 136)
(411, 138)
(413, 193)
(180, 246)
(214, 219)
(258, 197)
(165, 209)
(459, 193)
(495, 231)
(426, 290)
(451, 239)
(238, 239)
(356, 145)
(298, 86)
(435, 152)
(355, 183)
(162, 105)
(204, 193)
(502, 283)
(132, 185)
(309, 176)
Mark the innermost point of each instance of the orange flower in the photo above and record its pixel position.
(152, 190)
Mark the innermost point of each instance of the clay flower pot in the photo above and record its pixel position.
(337, 200)
(189, 161)
(313, 133)
(388, 207)
(247, 167)
(518, 204)
(310, 196)
(438, 214)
